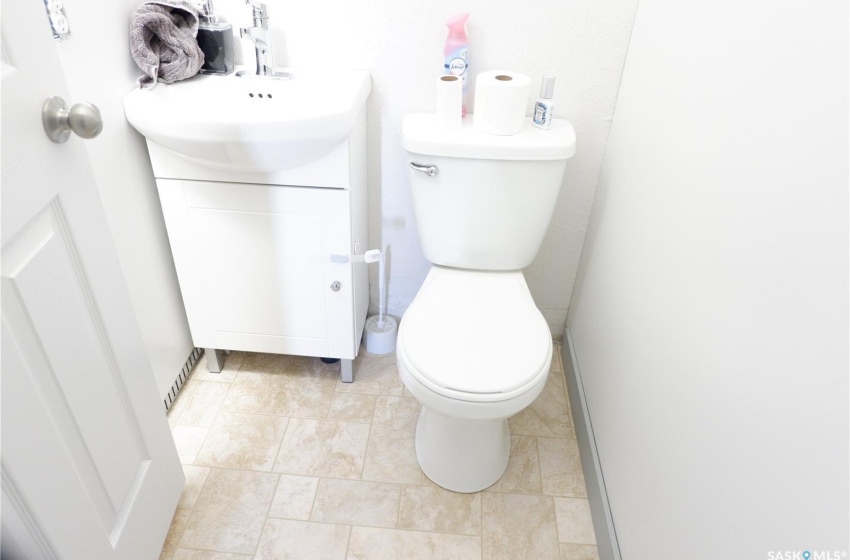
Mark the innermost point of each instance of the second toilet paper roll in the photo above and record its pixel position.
(501, 99)
(449, 102)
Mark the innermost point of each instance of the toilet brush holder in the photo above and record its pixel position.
(380, 339)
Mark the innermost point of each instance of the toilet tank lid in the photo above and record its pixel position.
(422, 133)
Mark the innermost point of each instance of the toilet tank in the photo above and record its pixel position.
(491, 200)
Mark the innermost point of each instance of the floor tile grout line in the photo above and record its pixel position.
(315, 498)
(401, 485)
(189, 395)
(280, 445)
(368, 440)
(215, 551)
(555, 519)
(179, 538)
(348, 542)
(206, 437)
(398, 509)
(206, 479)
(215, 419)
(277, 451)
(539, 462)
(405, 484)
(193, 509)
(413, 529)
(197, 382)
(266, 521)
(481, 493)
(560, 542)
(390, 482)
(396, 527)
(286, 429)
(381, 527)
(267, 415)
(183, 400)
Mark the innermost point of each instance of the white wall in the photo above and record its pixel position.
(401, 44)
(99, 69)
(710, 318)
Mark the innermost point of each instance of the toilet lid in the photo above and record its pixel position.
(475, 332)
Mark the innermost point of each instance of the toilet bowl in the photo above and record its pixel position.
(473, 348)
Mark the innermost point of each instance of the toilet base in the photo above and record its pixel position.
(462, 455)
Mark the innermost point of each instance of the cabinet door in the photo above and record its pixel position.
(254, 266)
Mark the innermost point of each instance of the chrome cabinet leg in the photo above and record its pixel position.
(346, 370)
(215, 359)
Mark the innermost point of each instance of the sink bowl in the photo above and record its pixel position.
(251, 124)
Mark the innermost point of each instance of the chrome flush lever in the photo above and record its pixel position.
(430, 170)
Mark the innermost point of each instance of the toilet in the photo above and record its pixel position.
(473, 348)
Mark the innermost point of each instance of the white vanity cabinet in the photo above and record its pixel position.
(253, 252)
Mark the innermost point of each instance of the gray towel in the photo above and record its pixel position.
(163, 41)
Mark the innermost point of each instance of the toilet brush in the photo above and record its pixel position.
(381, 329)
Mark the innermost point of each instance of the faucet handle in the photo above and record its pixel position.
(260, 9)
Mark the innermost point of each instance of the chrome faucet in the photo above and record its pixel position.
(261, 36)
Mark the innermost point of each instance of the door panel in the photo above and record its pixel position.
(43, 290)
(89, 469)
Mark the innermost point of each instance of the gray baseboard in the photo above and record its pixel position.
(600, 510)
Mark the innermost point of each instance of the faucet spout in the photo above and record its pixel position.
(260, 35)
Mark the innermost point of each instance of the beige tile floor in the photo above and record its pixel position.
(283, 461)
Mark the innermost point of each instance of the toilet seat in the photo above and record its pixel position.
(475, 335)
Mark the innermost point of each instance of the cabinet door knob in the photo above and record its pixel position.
(335, 286)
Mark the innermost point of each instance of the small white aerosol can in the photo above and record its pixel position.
(542, 117)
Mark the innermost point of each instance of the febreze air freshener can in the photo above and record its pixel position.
(456, 52)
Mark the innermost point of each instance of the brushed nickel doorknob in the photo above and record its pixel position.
(83, 119)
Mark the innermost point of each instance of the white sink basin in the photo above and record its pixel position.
(251, 124)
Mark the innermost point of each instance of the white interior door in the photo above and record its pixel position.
(88, 467)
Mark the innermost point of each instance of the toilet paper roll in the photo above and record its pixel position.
(449, 102)
(501, 99)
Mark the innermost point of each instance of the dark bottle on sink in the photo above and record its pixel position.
(215, 37)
